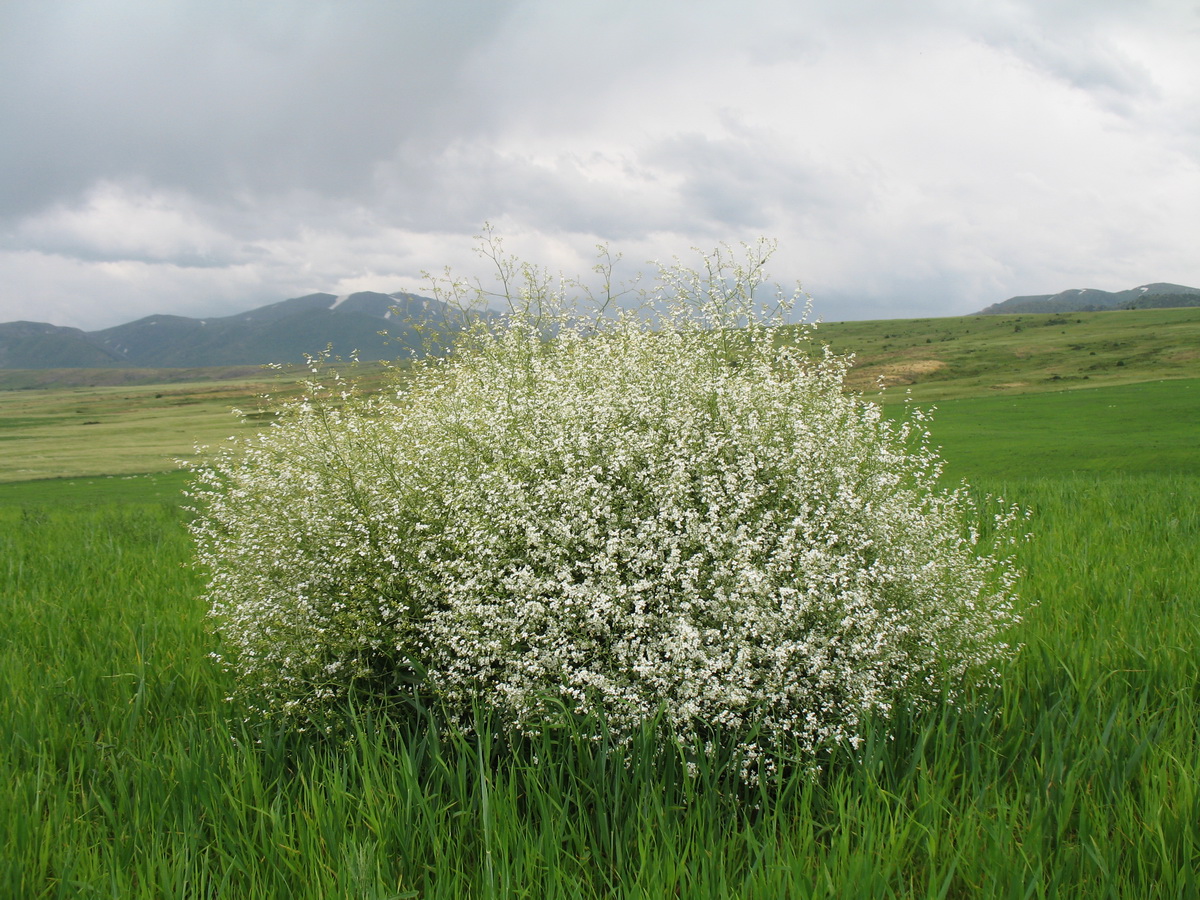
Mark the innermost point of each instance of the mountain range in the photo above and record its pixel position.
(285, 332)
(1147, 296)
(278, 333)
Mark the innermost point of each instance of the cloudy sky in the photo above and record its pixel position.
(202, 157)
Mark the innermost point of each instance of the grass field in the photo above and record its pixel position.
(70, 427)
(1080, 777)
(125, 774)
(1147, 428)
(53, 433)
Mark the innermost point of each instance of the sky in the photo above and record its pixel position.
(911, 159)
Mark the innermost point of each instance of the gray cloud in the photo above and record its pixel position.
(910, 158)
(226, 97)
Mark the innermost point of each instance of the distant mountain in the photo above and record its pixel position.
(279, 333)
(1147, 296)
(36, 345)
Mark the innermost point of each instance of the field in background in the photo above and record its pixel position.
(104, 422)
(1142, 428)
(85, 430)
(1147, 428)
(124, 773)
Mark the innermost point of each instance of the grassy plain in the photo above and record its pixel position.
(125, 774)
(76, 424)
(90, 431)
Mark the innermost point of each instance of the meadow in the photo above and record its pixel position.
(127, 774)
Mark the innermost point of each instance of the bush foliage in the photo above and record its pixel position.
(629, 518)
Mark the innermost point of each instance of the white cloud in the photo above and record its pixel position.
(115, 222)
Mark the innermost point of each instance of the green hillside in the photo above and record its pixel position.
(969, 355)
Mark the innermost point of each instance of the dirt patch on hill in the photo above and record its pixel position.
(901, 371)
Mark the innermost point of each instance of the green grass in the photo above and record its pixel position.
(1147, 428)
(123, 424)
(126, 775)
(161, 487)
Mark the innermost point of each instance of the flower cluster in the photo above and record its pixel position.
(688, 521)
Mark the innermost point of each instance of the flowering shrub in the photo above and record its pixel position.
(686, 521)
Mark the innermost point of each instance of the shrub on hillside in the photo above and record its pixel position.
(681, 521)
